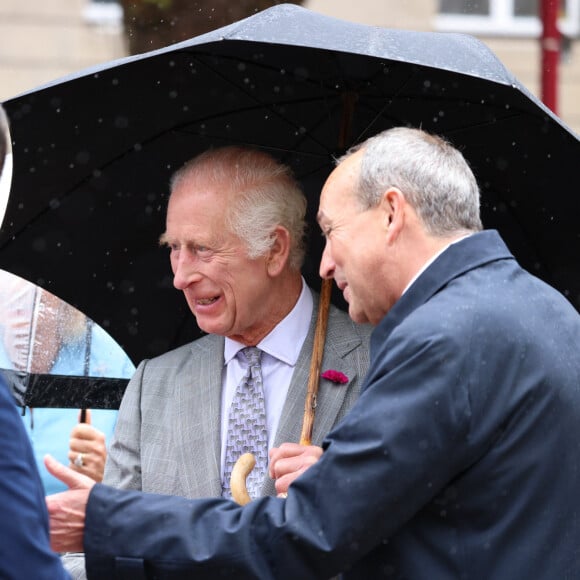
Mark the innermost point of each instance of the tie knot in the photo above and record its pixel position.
(252, 354)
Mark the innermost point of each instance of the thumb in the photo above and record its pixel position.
(71, 478)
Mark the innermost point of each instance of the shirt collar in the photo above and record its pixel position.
(431, 260)
(277, 343)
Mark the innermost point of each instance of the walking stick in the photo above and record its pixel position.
(316, 362)
(246, 462)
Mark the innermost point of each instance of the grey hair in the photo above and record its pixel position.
(265, 195)
(4, 137)
(433, 176)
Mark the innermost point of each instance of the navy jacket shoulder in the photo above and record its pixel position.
(24, 541)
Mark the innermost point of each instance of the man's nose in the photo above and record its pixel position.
(327, 264)
(185, 270)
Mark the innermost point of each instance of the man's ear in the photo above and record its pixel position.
(393, 208)
(279, 252)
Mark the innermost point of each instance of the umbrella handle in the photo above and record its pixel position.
(246, 462)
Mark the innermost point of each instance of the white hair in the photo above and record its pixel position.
(433, 176)
(265, 195)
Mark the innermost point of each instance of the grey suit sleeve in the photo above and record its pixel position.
(74, 564)
(123, 467)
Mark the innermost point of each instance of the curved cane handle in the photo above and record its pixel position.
(240, 472)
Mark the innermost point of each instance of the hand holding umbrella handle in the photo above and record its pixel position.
(246, 462)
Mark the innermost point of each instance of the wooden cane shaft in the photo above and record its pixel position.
(316, 362)
(348, 105)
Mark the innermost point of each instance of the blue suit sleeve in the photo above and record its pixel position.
(24, 539)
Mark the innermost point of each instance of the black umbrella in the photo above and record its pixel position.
(93, 152)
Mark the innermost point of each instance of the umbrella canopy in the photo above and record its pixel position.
(93, 152)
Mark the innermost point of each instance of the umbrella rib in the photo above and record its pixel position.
(260, 104)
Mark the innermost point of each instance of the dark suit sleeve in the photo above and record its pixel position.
(24, 543)
(385, 460)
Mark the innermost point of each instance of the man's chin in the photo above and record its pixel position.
(210, 325)
(357, 315)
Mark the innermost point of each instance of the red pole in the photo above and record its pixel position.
(550, 43)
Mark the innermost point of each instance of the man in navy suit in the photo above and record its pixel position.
(461, 457)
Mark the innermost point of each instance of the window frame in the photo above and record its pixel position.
(103, 13)
(501, 21)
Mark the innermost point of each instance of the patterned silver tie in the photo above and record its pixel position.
(247, 432)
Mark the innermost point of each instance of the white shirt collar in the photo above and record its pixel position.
(277, 343)
(431, 260)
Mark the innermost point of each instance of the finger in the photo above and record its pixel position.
(80, 461)
(73, 456)
(88, 432)
(283, 483)
(292, 471)
(286, 450)
(292, 458)
(93, 465)
(283, 466)
(68, 476)
(92, 450)
(294, 466)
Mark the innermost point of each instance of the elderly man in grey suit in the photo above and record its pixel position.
(235, 234)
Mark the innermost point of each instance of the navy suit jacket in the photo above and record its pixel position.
(24, 543)
(461, 458)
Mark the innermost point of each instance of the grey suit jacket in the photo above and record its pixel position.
(167, 437)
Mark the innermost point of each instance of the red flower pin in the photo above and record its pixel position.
(335, 377)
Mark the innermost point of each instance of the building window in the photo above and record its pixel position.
(503, 17)
(456, 7)
(103, 13)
